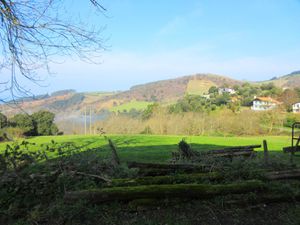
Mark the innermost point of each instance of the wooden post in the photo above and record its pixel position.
(266, 152)
(115, 157)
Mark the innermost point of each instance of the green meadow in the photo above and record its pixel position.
(138, 105)
(154, 148)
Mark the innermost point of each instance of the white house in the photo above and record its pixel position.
(226, 90)
(264, 103)
(296, 107)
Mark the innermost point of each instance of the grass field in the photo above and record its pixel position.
(152, 148)
(138, 105)
(198, 87)
(38, 193)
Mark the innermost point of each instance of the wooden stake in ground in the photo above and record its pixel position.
(266, 152)
(115, 157)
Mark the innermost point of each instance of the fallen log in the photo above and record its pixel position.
(183, 191)
(245, 153)
(234, 149)
(283, 175)
(184, 167)
(242, 147)
(159, 172)
(199, 177)
(291, 149)
(175, 179)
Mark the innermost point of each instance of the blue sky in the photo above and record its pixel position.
(155, 40)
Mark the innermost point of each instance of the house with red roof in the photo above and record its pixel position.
(264, 103)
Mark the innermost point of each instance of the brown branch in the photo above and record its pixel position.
(92, 175)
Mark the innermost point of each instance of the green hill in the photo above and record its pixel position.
(291, 80)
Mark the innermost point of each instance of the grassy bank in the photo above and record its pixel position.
(154, 148)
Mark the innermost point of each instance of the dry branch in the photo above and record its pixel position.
(92, 175)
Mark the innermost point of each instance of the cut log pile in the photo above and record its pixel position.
(235, 151)
(187, 181)
(181, 186)
(238, 151)
(230, 152)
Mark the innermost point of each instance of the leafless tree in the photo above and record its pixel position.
(32, 32)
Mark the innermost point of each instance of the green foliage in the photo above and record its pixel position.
(234, 106)
(184, 146)
(291, 119)
(247, 92)
(13, 132)
(44, 123)
(148, 112)
(192, 103)
(136, 105)
(213, 90)
(223, 99)
(24, 122)
(3, 120)
(39, 123)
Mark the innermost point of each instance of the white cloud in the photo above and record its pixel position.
(122, 70)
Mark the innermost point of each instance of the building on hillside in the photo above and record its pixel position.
(264, 103)
(296, 107)
(226, 90)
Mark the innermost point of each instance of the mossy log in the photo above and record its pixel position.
(158, 172)
(183, 167)
(175, 179)
(185, 191)
(197, 178)
(282, 175)
(244, 153)
(236, 151)
(240, 148)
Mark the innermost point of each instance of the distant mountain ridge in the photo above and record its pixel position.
(172, 89)
(65, 103)
(291, 80)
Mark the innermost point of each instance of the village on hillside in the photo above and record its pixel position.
(259, 103)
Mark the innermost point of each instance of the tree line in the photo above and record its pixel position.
(37, 124)
(212, 114)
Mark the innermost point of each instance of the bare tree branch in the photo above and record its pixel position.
(32, 32)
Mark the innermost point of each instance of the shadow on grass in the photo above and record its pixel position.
(162, 153)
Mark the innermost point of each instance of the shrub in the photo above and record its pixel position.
(44, 123)
(3, 120)
(15, 132)
(24, 122)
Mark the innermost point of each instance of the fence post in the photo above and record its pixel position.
(266, 152)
